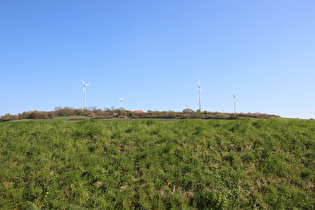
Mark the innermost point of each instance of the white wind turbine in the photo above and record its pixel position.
(121, 100)
(199, 95)
(234, 103)
(84, 91)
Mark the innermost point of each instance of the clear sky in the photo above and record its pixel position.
(152, 53)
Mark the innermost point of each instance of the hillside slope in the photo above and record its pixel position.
(154, 164)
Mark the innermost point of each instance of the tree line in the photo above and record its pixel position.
(106, 113)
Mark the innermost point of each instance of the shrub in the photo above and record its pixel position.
(8, 117)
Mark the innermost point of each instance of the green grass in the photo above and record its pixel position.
(68, 118)
(152, 164)
(130, 120)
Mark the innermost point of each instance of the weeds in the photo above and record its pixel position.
(150, 164)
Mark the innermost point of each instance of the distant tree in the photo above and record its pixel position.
(98, 112)
(8, 117)
(188, 111)
(78, 112)
(33, 115)
(58, 108)
(122, 112)
(92, 108)
(131, 114)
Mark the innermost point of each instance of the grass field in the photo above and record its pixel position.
(79, 118)
(149, 164)
(71, 118)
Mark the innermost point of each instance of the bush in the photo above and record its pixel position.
(8, 117)
(106, 113)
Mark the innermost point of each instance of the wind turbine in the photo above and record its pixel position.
(199, 95)
(121, 100)
(84, 91)
(234, 104)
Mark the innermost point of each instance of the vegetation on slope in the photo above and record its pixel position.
(150, 164)
(121, 113)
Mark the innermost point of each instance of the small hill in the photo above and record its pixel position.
(150, 164)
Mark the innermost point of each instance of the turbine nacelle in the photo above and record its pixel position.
(85, 85)
(198, 87)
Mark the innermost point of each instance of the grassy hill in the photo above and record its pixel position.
(56, 119)
(153, 164)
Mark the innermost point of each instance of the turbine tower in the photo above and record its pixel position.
(234, 104)
(199, 95)
(121, 100)
(84, 91)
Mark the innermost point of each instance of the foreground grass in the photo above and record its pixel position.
(158, 164)
(70, 118)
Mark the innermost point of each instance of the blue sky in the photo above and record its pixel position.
(153, 53)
